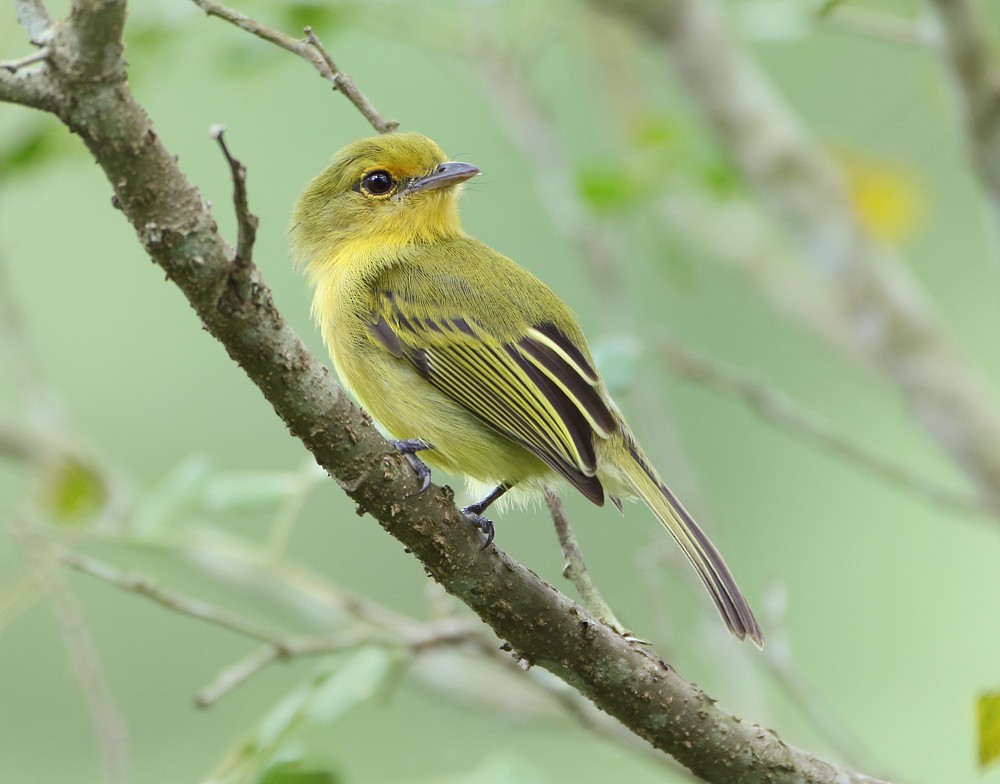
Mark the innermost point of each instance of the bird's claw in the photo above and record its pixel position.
(408, 448)
(484, 524)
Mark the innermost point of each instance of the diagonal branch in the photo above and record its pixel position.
(545, 628)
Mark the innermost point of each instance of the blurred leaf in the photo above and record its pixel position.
(657, 132)
(828, 7)
(294, 773)
(72, 490)
(988, 715)
(281, 717)
(607, 187)
(354, 681)
(325, 17)
(176, 491)
(721, 177)
(40, 141)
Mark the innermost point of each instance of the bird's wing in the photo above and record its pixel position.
(536, 387)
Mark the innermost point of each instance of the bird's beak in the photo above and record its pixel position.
(445, 175)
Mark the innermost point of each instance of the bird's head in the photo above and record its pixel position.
(394, 189)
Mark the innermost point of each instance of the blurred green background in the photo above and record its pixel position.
(880, 605)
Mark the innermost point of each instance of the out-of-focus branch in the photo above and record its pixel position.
(975, 72)
(888, 316)
(777, 407)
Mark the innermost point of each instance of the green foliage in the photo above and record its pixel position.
(607, 187)
(276, 746)
(324, 18)
(988, 716)
(72, 491)
(39, 142)
(296, 773)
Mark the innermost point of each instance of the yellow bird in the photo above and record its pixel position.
(457, 351)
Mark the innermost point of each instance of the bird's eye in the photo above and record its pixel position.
(377, 183)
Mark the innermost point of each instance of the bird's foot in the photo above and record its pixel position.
(408, 448)
(471, 513)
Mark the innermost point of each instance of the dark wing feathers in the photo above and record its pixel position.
(539, 390)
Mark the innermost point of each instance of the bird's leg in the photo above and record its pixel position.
(408, 448)
(474, 512)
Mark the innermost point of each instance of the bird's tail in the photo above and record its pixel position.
(693, 542)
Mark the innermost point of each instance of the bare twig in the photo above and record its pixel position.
(312, 51)
(236, 674)
(575, 569)
(771, 404)
(186, 605)
(13, 66)
(246, 221)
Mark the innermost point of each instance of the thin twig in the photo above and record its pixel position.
(312, 51)
(236, 674)
(780, 409)
(575, 569)
(246, 221)
(13, 66)
(185, 605)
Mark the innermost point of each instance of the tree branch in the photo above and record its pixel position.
(545, 628)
